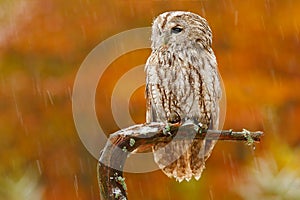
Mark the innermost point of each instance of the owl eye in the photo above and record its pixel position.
(176, 29)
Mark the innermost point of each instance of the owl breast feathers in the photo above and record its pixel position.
(182, 83)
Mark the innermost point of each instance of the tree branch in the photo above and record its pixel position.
(141, 138)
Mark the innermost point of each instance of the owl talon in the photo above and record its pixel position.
(167, 129)
(201, 128)
(197, 129)
(200, 125)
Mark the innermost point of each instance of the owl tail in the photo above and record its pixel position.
(183, 159)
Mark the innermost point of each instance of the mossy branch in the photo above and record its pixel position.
(141, 138)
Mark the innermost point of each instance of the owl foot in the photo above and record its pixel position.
(198, 126)
(167, 129)
(201, 128)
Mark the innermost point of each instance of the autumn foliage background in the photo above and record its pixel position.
(42, 45)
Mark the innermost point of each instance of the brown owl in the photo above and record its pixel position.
(182, 84)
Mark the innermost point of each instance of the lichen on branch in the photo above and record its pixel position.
(143, 137)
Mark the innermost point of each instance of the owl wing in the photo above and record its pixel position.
(151, 111)
(151, 115)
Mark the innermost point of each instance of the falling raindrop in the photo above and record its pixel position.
(38, 166)
(236, 17)
(76, 185)
(70, 93)
(281, 32)
(203, 9)
(50, 97)
(18, 112)
(211, 194)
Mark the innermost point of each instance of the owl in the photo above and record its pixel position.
(182, 85)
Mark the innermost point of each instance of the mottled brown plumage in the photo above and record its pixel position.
(182, 84)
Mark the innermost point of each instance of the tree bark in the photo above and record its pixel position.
(142, 137)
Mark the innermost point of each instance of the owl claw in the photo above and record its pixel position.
(197, 129)
(200, 128)
(167, 129)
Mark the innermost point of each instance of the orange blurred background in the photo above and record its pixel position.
(42, 45)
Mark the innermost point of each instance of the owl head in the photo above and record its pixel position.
(181, 29)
